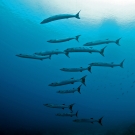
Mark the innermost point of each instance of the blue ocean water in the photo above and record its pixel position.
(109, 92)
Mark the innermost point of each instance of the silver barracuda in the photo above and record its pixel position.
(59, 17)
(70, 81)
(64, 40)
(33, 56)
(70, 91)
(100, 42)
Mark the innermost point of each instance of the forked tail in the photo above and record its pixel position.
(102, 51)
(77, 15)
(67, 54)
(76, 114)
(121, 64)
(89, 68)
(79, 88)
(117, 41)
(70, 107)
(49, 57)
(100, 121)
(77, 37)
(83, 80)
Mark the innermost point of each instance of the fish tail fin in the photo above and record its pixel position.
(79, 88)
(70, 107)
(76, 114)
(102, 51)
(83, 80)
(100, 121)
(121, 64)
(117, 41)
(77, 15)
(50, 57)
(89, 68)
(77, 37)
(67, 54)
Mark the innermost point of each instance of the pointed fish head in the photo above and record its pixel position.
(46, 104)
(50, 41)
(69, 49)
(58, 91)
(18, 55)
(58, 114)
(62, 69)
(76, 120)
(37, 53)
(53, 84)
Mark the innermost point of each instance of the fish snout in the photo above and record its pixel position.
(62, 69)
(51, 84)
(75, 120)
(45, 104)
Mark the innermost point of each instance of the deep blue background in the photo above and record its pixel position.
(24, 82)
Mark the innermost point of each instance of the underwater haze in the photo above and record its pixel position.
(25, 89)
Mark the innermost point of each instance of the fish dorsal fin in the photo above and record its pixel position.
(91, 118)
(72, 78)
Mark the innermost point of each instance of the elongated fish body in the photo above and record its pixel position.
(102, 42)
(76, 69)
(59, 17)
(84, 49)
(91, 120)
(107, 64)
(55, 52)
(70, 91)
(62, 106)
(67, 114)
(33, 56)
(63, 40)
(70, 81)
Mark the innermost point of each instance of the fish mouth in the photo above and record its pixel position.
(45, 104)
(74, 121)
(42, 22)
